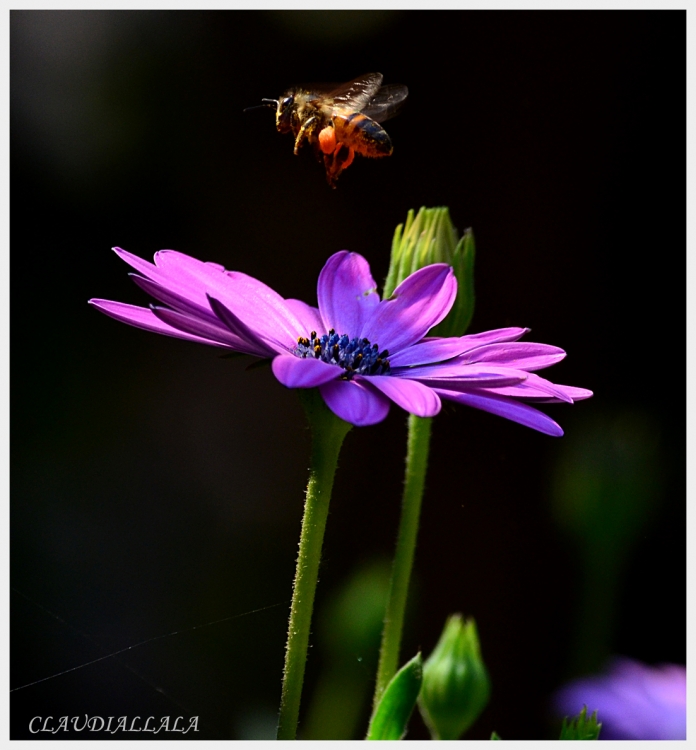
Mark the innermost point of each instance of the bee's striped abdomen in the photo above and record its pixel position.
(362, 134)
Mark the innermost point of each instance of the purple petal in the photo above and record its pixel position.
(633, 700)
(144, 266)
(542, 391)
(474, 340)
(175, 260)
(141, 317)
(546, 386)
(522, 355)
(262, 310)
(458, 377)
(201, 328)
(576, 394)
(441, 349)
(355, 402)
(347, 293)
(426, 352)
(295, 372)
(417, 304)
(494, 336)
(238, 328)
(172, 298)
(410, 395)
(187, 277)
(505, 407)
(537, 388)
(308, 316)
(520, 390)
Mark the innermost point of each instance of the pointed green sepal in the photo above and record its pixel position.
(459, 317)
(581, 727)
(456, 686)
(495, 736)
(396, 705)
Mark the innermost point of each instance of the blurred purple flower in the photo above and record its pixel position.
(633, 701)
(360, 351)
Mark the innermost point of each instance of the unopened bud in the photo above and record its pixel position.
(430, 237)
(456, 687)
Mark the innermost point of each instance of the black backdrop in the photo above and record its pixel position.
(157, 487)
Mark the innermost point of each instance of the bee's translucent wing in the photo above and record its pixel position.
(316, 89)
(386, 102)
(357, 93)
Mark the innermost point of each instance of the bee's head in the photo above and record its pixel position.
(285, 112)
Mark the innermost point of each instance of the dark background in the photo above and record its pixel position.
(157, 487)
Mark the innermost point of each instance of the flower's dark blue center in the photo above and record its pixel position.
(355, 356)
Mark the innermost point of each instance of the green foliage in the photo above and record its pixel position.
(495, 736)
(606, 487)
(606, 483)
(347, 632)
(396, 705)
(581, 727)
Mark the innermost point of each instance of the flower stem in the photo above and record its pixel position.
(328, 432)
(416, 466)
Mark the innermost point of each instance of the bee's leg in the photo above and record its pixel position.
(336, 162)
(309, 122)
(317, 150)
(329, 167)
(345, 159)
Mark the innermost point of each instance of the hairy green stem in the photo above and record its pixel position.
(328, 432)
(416, 466)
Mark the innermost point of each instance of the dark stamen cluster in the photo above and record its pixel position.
(355, 356)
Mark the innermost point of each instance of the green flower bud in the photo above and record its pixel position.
(456, 686)
(430, 237)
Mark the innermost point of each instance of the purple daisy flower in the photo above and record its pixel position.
(361, 352)
(633, 701)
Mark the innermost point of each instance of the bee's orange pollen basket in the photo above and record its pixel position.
(327, 140)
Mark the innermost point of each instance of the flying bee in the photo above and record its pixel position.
(342, 121)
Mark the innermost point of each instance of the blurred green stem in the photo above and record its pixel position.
(328, 432)
(416, 466)
(600, 593)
